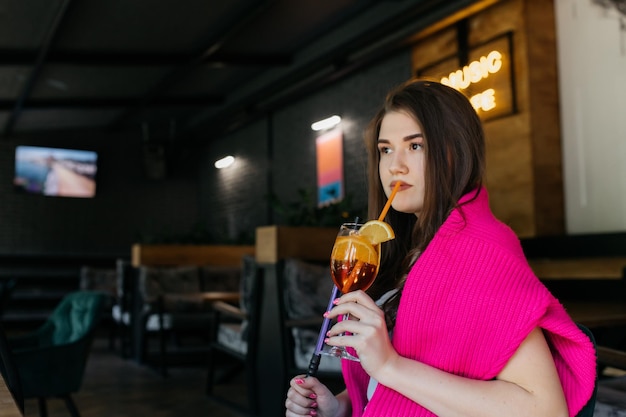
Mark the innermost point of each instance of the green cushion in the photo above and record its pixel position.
(75, 316)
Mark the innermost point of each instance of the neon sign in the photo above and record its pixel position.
(473, 73)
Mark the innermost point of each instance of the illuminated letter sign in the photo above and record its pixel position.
(487, 80)
(475, 71)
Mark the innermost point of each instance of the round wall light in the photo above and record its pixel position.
(225, 162)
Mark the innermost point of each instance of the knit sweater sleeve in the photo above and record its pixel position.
(468, 303)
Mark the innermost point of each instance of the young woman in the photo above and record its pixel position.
(467, 328)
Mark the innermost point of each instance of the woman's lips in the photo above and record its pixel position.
(403, 185)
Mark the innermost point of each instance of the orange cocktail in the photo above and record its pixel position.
(354, 260)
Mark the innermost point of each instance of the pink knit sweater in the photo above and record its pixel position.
(468, 303)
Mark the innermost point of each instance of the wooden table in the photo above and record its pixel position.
(592, 314)
(589, 313)
(579, 268)
(209, 296)
(596, 314)
(8, 406)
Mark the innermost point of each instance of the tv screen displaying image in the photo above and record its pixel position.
(55, 172)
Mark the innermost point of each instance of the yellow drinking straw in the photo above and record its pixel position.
(357, 267)
(388, 204)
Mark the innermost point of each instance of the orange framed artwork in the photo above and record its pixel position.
(329, 148)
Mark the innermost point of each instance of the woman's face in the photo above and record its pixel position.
(402, 158)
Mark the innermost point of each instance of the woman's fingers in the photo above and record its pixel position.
(358, 297)
(307, 396)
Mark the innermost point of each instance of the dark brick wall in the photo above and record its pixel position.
(278, 153)
(356, 100)
(233, 200)
(128, 206)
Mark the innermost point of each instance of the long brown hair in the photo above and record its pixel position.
(455, 164)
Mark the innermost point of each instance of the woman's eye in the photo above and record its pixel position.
(384, 150)
(415, 146)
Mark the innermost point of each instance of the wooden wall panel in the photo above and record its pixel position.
(545, 117)
(509, 147)
(523, 148)
(434, 48)
(509, 172)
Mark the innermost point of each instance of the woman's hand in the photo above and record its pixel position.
(307, 396)
(368, 332)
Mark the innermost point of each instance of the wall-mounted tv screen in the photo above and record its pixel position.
(55, 172)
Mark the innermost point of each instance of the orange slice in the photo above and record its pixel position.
(354, 247)
(377, 231)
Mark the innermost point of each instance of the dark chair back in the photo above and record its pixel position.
(242, 327)
(75, 317)
(6, 290)
(588, 409)
(9, 371)
(304, 288)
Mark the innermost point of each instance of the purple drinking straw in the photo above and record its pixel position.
(315, 359)
(317, 356)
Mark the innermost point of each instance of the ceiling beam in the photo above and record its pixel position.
(368, 38)
(98, 59)
(36, 71)
(113, 102)
(212, 47)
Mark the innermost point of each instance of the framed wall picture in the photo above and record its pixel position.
(329, 150)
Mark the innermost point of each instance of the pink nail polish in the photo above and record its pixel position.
(313, 412)
(336, 301)
(313, 396)
(299, 381)
(313, 404)
(325, 314)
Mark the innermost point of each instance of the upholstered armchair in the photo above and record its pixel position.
(235, 339)
(305, 288)
(104, 280)
(123, 307)
(51, 360)
(176, 301)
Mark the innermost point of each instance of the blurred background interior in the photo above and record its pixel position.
(162, 153)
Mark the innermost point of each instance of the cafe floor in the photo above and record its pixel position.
(119, 387)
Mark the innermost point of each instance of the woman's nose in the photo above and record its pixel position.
(398, 164)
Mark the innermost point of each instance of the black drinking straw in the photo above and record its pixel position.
(317, 356)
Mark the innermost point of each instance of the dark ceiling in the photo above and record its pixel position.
(184, 65)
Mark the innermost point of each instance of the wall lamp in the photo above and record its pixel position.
(225, 162)
(327, 123)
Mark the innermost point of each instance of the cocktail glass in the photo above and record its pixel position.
(354, 265)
